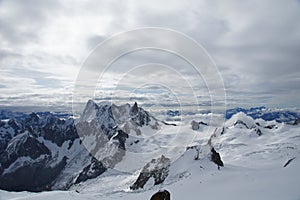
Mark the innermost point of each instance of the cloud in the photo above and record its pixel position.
(255, 44)
(21, 21)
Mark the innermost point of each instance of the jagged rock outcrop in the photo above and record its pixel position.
(240, 124)
(270, 126)
(24, 165)
(158, 169)
(294, 122)
(216, 158)
(196, 125)
(140, 118)
(161, 195)
(288, 162)
(93, 170)
(258, 131)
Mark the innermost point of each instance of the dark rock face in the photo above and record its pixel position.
(223, 131)
(33, 119)
(258, 131)
(288, 162)
(93, 170)
(270, 126)
(140, 118)
(135, 108)
(24, 146)
(157, 169)
(34, 176)
(216, 158)
(24, 165)
(161, 195)
(294, 122)
(241, 124)
(121, 136)
(196, 125)
(59, 132)
(203, 123)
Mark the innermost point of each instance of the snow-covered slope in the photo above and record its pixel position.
(254, 152)
(198, 179)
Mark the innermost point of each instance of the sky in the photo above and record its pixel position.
(255, 45)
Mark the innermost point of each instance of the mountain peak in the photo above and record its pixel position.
(135, 108)
(91, 103)
(90, 111)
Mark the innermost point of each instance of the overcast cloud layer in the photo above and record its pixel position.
(255, 44)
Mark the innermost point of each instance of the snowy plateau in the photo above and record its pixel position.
(46, 156)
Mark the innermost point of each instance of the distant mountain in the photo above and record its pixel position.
(279, 115)
(7, 114)
(173, 113)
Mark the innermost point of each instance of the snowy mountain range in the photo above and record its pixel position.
(123, 152)
(54, 152)
(279, 115)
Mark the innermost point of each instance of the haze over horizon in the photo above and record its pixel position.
(43, 44)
